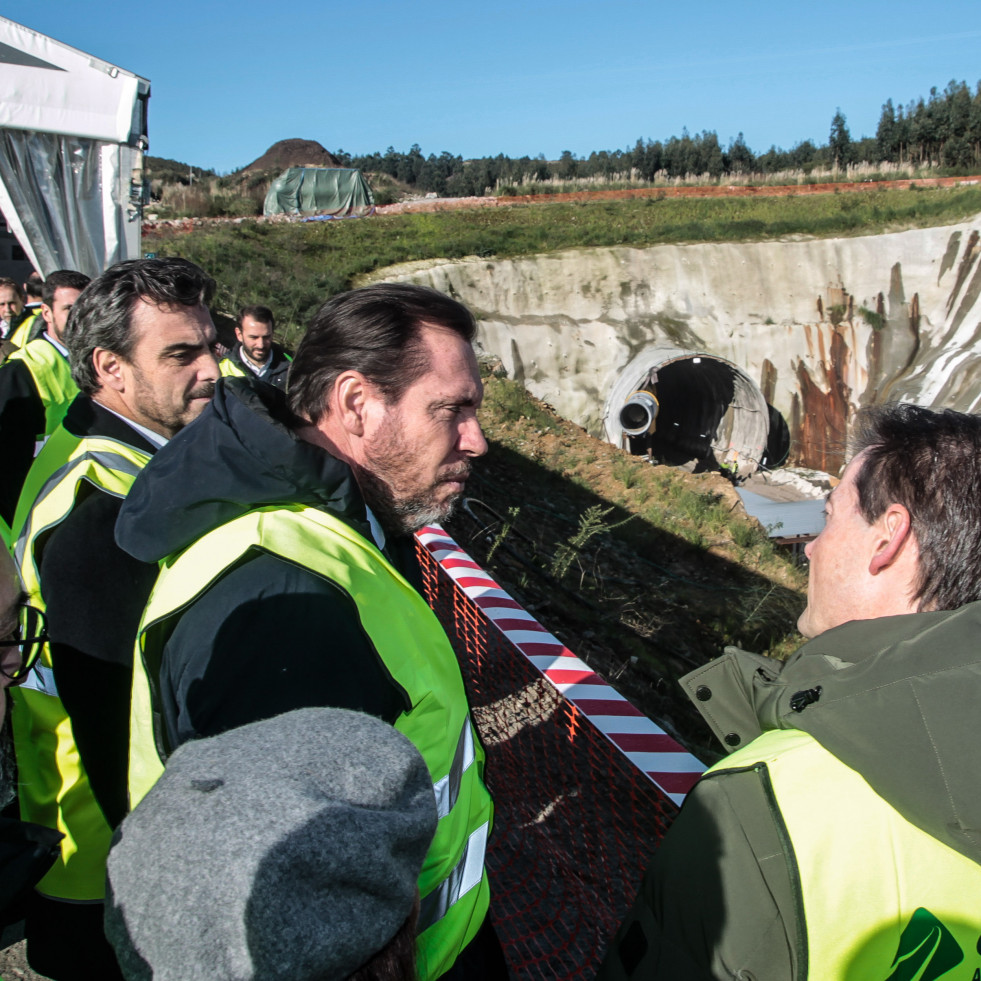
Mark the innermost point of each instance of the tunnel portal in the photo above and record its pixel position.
(708, 413)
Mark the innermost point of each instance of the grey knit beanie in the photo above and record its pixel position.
(286, 850)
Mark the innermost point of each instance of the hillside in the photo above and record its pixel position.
(292, 153)
(166, 171)
(178, 189)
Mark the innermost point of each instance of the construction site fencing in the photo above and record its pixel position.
(584, 784)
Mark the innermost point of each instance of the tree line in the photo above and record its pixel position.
(943, 130)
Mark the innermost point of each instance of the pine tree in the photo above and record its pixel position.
(840, 141)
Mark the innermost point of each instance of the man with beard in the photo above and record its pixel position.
(256, 350)
(140, 344)
(290, 578)
(26, 850)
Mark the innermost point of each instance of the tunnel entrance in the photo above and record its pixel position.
(689, 409)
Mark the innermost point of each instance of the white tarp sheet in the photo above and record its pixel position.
(72, 132)
(49, 87)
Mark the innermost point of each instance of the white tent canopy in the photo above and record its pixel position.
(72, 136)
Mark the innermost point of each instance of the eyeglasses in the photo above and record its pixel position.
(33, 635)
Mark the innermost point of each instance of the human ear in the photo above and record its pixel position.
(108, 369)
(893, 527)
(349, 401)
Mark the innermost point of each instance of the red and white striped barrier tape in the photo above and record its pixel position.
(648, 747)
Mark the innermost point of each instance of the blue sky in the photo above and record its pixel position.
(230, 79)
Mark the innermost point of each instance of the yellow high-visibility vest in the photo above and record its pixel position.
(878, 898)
(454, 892)
(53, 378)
(53, 788)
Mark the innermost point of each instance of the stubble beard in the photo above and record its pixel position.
(171, 420)
(402, 512)
(405, 514)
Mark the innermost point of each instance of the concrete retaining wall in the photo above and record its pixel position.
(823, 326)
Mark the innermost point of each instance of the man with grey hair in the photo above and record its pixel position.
(11, 306)
(140, 339)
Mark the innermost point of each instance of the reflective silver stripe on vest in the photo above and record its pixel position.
(465, 876)
(41, 679)
(448, 788)
(111, 461)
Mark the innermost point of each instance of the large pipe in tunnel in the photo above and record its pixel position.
(688, 408)
(639, 414)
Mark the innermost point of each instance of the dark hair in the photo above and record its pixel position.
(263, 314)
(62, 277)
(374, 330)
(14, 285)
(101, 316)
(930, 462)
(33, 284)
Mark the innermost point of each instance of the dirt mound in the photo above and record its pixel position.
(294, 153)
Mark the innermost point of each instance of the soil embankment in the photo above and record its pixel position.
(707, 191)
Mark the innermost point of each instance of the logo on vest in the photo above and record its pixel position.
(927, 950)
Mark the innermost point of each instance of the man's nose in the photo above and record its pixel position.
(472, 440)
(208, 367)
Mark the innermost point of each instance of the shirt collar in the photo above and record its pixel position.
(58, 346)
(154, 439)
(249, 363)
(377, 532)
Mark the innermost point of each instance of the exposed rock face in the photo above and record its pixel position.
(821, 326)
(294, 153)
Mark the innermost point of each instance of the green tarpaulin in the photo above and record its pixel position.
(336, 191)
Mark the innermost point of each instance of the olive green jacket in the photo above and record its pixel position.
(894, 699)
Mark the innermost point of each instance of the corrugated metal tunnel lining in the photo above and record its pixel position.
(710, 414)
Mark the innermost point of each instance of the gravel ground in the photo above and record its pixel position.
(13, 964)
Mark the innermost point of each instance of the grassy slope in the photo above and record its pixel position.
(295, 267)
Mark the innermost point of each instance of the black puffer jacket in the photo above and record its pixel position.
(268, 636)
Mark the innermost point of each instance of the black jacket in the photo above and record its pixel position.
(278, 368)
(21, 419)
(94, 594)
(268, 636)
(27, 851)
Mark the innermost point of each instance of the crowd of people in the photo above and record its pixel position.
(243, 743)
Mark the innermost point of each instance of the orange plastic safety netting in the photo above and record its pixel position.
(576, 815)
